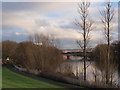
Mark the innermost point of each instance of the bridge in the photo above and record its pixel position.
(76, 53)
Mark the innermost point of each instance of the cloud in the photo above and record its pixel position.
(37, 7)
(18, 20)
(58, 32)
(17, 33)
(42, 22)
(57, 0)
(49, 18)
(20, 33)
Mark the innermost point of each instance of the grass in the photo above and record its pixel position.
(14, 80)
(0, 77)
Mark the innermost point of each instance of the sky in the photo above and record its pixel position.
(20, 19)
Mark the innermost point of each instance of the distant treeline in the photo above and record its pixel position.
(100, 57)
(36, 55)
(100, 54)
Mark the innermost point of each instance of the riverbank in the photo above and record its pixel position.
(14, 80)
(57, 79)
(37, 77)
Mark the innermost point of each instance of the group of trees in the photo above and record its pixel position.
(103, 53)
(100, 58)
(39, 53)
(8, 48)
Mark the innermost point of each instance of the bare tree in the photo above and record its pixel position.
(100, 58)
(85, 25)
(107, 16)
(8, 48)
(0, 50)
(47, 52)
(46, 40)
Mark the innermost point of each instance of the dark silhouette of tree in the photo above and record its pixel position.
(107, 16)
(100, 57)
(85, 24)
(8, 48)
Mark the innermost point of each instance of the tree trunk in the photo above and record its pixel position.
(84, 51)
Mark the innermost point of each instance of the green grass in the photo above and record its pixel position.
(0, 77)
(14, 80)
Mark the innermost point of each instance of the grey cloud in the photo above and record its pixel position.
(9, 33)
(42, 22)
(71, 43)
(70, 25)
(14, 37)
(38, 7)
(20, 6)
(68, 43)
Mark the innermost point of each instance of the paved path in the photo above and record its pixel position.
(71, 87)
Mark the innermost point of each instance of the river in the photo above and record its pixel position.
(75, 67)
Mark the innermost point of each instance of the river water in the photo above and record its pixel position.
(75, 67)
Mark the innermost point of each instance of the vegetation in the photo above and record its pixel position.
(41, 52)
(8, 48)
(107, 17)
(100, 57)
(14, 80)
(33, 55)
(85, 25)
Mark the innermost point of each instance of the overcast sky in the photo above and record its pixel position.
(19, 19)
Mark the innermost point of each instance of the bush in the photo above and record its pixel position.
(36, 57)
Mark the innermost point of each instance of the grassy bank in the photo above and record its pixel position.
(14, 80)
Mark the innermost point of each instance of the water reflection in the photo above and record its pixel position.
(75, 68)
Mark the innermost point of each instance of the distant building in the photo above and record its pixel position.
(39, 44)
(8, 59)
